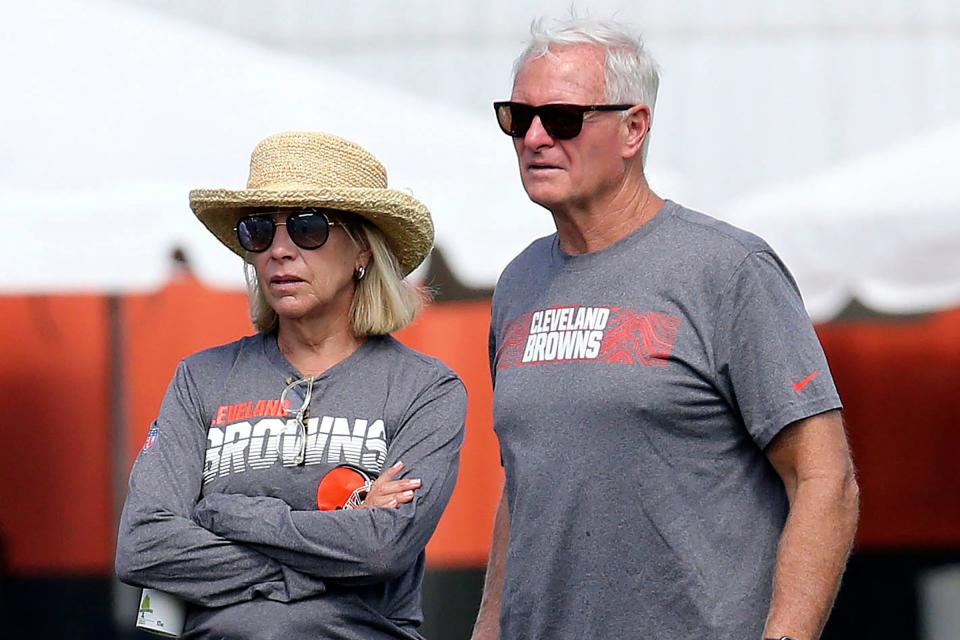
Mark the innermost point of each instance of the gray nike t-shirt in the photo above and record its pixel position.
(220, 514)
(635, 390)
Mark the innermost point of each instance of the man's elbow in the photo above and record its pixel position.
(850, 496)
(841, 498)
(835, 494)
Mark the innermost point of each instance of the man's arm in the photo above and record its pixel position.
(487, 626)
(813, 459)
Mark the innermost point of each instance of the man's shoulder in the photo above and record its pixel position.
(712, 236)
(534, 256)
(536, 253)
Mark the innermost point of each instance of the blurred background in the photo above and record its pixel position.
(831, 128)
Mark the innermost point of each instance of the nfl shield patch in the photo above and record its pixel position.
(151, 437)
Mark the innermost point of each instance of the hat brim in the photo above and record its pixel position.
(404, 220)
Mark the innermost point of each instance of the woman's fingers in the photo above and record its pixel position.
(390, 473)
(399, 486)
(380, 502)
(389, 493)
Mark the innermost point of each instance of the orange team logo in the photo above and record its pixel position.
(602, 334)
(343, 487)
(228, 413)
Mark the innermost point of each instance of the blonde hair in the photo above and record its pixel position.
(383, 302)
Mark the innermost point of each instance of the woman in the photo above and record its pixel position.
(222, 508)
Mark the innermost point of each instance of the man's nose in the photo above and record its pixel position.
(537, 135)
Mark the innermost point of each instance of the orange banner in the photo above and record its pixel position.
(899, 382)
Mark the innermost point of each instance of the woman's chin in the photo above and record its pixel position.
(288, 308)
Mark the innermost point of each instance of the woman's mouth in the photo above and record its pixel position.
(284, 281)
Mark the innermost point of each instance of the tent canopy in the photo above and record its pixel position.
(883, 229)
(120, 112)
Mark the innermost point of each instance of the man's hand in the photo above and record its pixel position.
(487, 626)
(389, 493)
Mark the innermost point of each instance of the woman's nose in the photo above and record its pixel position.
(282, 245)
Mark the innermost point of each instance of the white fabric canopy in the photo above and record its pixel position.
(112, 114)
(884, 229)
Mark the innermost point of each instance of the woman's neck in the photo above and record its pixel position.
(312, 349)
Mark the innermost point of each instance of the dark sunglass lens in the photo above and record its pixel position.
(515, 119)
(255, 233)
(308, 230)
(504, 118)
(561, 122)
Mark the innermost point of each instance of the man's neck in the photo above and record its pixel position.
(606, 222)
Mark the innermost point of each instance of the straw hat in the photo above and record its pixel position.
(300, 169)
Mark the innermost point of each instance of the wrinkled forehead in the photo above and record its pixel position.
(573, 73)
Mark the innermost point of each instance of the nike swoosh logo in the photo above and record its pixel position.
(799, 386)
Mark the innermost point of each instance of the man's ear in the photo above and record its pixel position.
(636, 128)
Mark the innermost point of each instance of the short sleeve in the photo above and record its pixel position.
(769, 362)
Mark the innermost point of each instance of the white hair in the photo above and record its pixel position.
(631, 75)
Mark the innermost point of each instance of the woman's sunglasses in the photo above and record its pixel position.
(562, 121)
(307, 228)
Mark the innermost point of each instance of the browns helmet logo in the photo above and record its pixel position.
(343, 487)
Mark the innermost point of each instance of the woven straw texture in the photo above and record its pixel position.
(300, 169)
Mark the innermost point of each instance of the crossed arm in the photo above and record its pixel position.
(232, 548)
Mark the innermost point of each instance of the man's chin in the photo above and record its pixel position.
(546, 198)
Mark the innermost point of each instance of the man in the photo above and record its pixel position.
(676, 465)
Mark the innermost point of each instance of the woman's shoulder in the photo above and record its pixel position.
(222, 357)
(415, 361)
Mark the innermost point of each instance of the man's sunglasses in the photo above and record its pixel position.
(562, 121)
(307, 228)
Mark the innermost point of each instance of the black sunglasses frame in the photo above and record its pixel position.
(562, 121)
(299, 235)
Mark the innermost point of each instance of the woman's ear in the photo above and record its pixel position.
(365, 255)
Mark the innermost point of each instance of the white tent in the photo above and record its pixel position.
(884, 229)
(112, 114)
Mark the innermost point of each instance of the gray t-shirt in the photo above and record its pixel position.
(635, 390)
(219, 513)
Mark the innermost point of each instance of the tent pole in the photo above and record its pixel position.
(125, 597)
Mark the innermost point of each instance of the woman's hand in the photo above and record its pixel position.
(387, 493)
